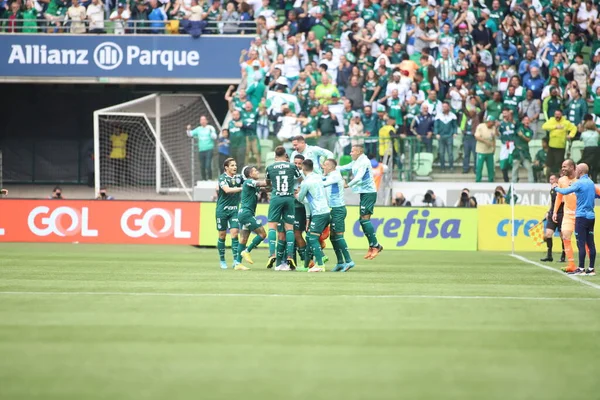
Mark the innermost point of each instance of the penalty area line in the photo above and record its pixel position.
(572, 277)
(358, 296)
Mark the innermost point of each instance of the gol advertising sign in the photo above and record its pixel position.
(396, 227)
(99, 221)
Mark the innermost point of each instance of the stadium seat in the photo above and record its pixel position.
(435, 145)
(458, 148)
(270, 158)
(423, 164)
(266, 146)
(534, 147)
(345, 160)
(576, 150)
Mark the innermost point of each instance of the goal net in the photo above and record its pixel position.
(141, 148)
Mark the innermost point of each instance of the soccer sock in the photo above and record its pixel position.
(221, 248)
(569, 252)
(235, 244)
(316, 247)
(367, 228)
(308, 254)
(280, 251)
(290, 241)
(241, 247)
(344, 247)
(302, 252)
(254, 244)
(336, 248)
(549, 245)
(272, 241)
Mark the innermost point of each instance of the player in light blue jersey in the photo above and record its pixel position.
(312, 192)
(314, 153)
(363, 183)
(334, 187)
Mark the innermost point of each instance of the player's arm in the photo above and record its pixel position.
(568, 190)
(229, 190)
(557, 202)
(358, 176)
(347, 167)
(302, 192)
(321, 152)
(331, 179)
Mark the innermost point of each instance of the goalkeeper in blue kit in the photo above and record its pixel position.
(363, 183)
(334, 187)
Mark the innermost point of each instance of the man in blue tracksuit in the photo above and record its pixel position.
(584, 217)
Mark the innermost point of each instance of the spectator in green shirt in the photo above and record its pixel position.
(521, 155)
(591, 151)
(540, 161)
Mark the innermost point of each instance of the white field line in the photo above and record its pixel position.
(572, 277)
(358, 296)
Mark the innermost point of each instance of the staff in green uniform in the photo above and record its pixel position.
(521, 153)
(228, 198)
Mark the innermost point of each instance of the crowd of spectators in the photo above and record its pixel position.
(434, 72)
(195, 17)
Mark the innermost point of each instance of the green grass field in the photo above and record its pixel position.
(150, 322)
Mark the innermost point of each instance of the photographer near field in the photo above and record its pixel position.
(102, 195)
(500, 196)
(430, 200)
(400, 201)
(56, 194)
(466, 200)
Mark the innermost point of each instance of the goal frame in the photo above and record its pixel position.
(160, 152)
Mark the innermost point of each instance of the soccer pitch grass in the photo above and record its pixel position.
(160, 322)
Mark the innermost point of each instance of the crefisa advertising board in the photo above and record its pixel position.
(123, 56)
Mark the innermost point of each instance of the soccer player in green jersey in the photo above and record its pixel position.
(313, 193)
(228, 198)
(364, 184)
(334, 187)
(247, 215)
(282, 175)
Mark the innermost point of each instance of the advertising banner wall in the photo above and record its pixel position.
(126, 56)
(396, 227)
(495, 225)
(98, 221)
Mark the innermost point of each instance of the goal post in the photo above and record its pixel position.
(141, 148)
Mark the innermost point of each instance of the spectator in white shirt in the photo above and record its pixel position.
(587, 14)
(76, 13)
(95, 14)
(120, 16)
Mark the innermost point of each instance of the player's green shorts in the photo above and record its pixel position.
(248, 221)
(300, 222)
(338, 219)
(281, 209)
(318, 223)
(227, 219)
(367, 203)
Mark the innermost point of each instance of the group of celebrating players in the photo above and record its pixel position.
(307, 195)
(572, 211)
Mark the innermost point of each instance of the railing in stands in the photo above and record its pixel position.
(119, 26)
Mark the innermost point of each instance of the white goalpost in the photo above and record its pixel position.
(141, 149)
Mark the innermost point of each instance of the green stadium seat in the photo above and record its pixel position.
(423, 164)
(270, 158)
(435, 147)
(344, 160)
(534, 147)
(576, 150)
(266, 146)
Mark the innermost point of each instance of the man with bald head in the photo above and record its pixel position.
(586, 193)
(568, 178)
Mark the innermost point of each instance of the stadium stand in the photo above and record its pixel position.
(385, 60)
